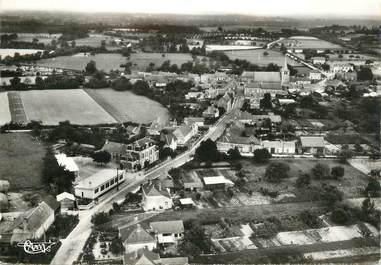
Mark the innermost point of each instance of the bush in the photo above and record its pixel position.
(100, 218)
(373, 189)
(321, 171)
(303, 180)
(276, 171)
(337, 172)
(261, 155)
(341, 216)
(311, 219)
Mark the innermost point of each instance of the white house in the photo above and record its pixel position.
(168, 232)
(280, 147)
(318, 60)
(66, 200)
(135, 238)
(155, 198)
(99, 183)
(315, 75)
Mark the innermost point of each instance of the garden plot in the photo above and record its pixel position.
(54, 106)
(326, 235)
(340, 253)
(5, 114)
(255, 199)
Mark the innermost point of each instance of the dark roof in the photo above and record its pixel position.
(135, 234)
(142, 257)
(153, 189)
(52, 202)
(165, 227)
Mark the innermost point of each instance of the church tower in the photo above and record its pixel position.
(285, 73)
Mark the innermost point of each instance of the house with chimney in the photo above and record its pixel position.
(136, 238)
(168, 232)
(184, 133)
(155, 197)
(139, 154)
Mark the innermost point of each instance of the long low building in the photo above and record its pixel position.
(99, 183)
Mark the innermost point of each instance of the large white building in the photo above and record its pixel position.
(99, 183)
(68, 163)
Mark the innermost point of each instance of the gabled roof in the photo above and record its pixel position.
(182, 131)
(151, 190)
(312, 141)
(165, 227)
(174, 261)
(52, 202)
(65, 195)
(217, 180)
(141, 257)
(67, 162)
(167, 138)
(135, 235)
(98, 178)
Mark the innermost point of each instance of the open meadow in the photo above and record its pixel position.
(54, 106)
(302, 42)
(104, 61)
(21, 160)
(257, 57)
(125, 106)
(143, 59)
(5, 114)
(11, 52)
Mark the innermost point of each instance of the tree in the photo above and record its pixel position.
(341, 216)
(261, 155)
(303, 181)
(73, 44)
(337, 172)
(276, 171)
(102, 157)
(367, 206)
(365, 74)
(100, 218)
(116, 246)
(321, 171)
(373, 189)
(265, 103)
(311, 219)
(344, 155)
(91, 67)
(330, 195)
(234, 154)
(207, 151)
(265, 53)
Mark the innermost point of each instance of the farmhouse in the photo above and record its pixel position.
(141, 257)
(199, 121)
(311, 145)
(184, 133)
(66, 200)
(115, 149)
(155, 198)
(279, 147)
(99, 183)
(217, 183)
(33, 223)
(68, 163)
(135, 238)
(168, 232)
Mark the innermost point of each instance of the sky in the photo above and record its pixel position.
(248, 7)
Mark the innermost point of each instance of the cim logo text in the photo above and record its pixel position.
(36, 247)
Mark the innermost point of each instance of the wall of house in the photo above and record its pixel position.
(134, 247)
(156, 203)
(45, 226)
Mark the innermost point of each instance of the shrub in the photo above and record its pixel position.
(321, 171)
(311, 219)
(276, 171)
(337, 172)
(261, 155)
(341, 216)
(303, 180)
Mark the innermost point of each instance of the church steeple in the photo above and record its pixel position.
(285, 73)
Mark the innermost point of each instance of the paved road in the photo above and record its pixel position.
(72, 246)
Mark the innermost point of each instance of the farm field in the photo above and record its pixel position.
(126, 106)
(309, 43)
(16, 107)
(351, 184)
(21, 160)
(104, 61)
(11, 52)
(94, 40)
(230, 47)
(5, 114)
(142, 60)
(54, 106)
(257, 57)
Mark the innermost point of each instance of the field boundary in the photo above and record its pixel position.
(110, 109)
(16, 108)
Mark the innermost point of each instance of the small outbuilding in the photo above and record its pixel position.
(66, 200)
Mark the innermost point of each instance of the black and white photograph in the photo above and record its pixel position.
(181, 132)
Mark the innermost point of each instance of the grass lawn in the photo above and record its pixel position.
(21, 160)
(351, 185)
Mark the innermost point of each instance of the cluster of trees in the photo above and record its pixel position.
(196, 241)
(71, 133)
(322, 171)
(276, 172)
(57, 177)
(208, 152)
